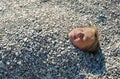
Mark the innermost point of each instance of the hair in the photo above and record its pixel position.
(95, 46)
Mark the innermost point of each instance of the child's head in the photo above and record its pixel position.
(85, 38)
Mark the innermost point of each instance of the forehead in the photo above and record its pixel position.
(90, 33)
(89, 30)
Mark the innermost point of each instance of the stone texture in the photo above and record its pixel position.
(34, 43)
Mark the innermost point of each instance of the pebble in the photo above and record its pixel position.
(62, 48)
(19, 62)
(17, 53)
(25, 39)
(1, 8)
(63, 52)
(2, 64)
(48, 76)
(8, 63)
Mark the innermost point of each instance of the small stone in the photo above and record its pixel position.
(62, 48)
(67, 41)
(25, 39)
(53, 42)
(17, 53)
(0, 8)
(19, 62)
(60, 42)
(59, 55)
(49, 76)
(2, 64)
(63, 52)
(7, 63)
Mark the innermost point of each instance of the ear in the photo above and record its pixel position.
(90, 23)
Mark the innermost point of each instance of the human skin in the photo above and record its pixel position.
(82, 37)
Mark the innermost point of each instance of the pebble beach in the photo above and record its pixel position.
(34, 42)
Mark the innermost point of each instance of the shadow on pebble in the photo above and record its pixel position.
(93, 63)
(41, 57)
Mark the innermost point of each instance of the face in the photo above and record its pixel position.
(82, 37)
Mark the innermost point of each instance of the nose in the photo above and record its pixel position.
(80, 35)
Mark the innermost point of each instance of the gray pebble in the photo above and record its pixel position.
(36, 45)
(2, 64)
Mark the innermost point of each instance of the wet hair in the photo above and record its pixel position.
(93, 48)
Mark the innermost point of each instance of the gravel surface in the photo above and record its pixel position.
(34, 43)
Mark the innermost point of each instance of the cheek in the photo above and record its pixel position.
(88, 43)
(71, 33)
(79, 44)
